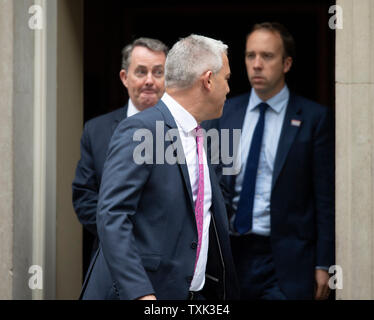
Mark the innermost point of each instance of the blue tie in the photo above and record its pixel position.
(243, 219)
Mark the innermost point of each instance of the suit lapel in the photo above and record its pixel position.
(215, 191)
(291, 125)
(171, 124)
(236, 114)
(237, 117)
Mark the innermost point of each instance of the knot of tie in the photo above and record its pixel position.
(199, 131)
(263, 107)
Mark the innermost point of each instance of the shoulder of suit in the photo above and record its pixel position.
(105, 118)
(236, 103)
(308, 105)
(152, 113)
(238, 100)
(145, 119)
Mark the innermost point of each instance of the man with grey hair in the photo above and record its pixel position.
(143, 75)
(163, 227)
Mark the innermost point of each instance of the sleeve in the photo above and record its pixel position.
(85, 186)
(324, 189)
(120, 191)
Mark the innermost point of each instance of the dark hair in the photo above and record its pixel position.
(287, 39)
(149, 43)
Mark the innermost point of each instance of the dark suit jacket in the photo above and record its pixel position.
(94, 145)
(302, 198)
(146, 224)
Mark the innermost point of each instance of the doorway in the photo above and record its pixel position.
(109, 27)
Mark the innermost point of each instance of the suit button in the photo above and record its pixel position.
(194, 245)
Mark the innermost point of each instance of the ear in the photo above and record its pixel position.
(123, 77)
(206, 78)
(287, 64)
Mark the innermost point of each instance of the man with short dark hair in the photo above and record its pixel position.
(142, 74)
(281, 203)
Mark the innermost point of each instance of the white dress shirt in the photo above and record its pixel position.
(186, 124)
(131, 109)
(274, 118)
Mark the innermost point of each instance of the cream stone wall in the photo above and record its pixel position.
(41, 108)
(355, 149)
(6, 149)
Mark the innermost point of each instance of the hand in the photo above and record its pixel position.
(322, 290)
(148, 297)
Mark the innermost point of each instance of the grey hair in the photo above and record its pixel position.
(190, 57)
(149, 43)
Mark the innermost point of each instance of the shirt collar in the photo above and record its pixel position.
(131, 109)
(277, 103)
(182, 117)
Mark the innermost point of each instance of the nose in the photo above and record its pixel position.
(149, 81)
(257, 64)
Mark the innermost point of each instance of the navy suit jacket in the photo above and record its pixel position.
(94, 145)
(146, 224)
(302, 198)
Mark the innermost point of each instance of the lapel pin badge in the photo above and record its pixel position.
(295, 123)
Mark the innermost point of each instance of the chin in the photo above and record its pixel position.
(149, 103)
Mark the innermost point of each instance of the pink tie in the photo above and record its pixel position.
(199, 205)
